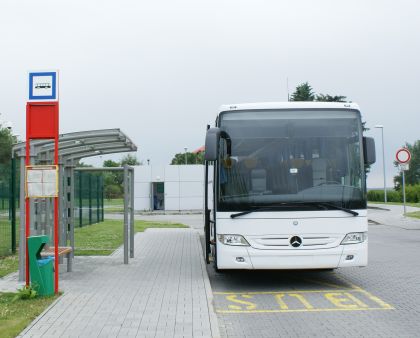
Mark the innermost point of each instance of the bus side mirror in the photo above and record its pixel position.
(211, 152)
(369, 152)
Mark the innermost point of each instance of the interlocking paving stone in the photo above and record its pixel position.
(157, 294)
(392, 279)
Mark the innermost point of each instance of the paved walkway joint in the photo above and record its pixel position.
(163, 292)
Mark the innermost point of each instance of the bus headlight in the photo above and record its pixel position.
(233, 240)
(354, 238)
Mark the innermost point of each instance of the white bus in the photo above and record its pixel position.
(289, 186)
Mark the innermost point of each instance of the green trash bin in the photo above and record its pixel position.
(41, 270)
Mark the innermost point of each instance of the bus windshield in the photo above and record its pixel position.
(284, 156)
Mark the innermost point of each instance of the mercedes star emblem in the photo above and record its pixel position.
(295, 241)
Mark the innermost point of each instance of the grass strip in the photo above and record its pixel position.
(414, 214)
(396, 203)
(16, 315)
(101, 239)
(114, 206)
(8, 265)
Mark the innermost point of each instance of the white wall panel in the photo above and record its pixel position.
(172, 203)
(172, 189)
(141, 204)
(158, 173)
(142, 173)
(191, 173)
(184, 186)
(172, 173)
(191, 189)
(142, 189)
(191, 203)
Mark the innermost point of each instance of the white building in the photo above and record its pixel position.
(170, 187)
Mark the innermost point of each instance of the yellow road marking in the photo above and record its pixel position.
(248, 305)
(280, 301)
(302, 300)
(304, 310)
(280, 291)
(376, 299)
(331, 285)
(342, 299)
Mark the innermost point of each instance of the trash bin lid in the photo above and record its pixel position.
(45, 260)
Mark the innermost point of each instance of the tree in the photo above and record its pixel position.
(192, 158)
(112, 191)
(330, 98)
(130, 160)
(84, 165)
(412, 176)
(110, 164)
(303, 92)
(6, 143)
(113, 180)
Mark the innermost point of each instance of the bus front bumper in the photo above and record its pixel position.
(241, 257)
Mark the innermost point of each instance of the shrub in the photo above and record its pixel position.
(26, 292)
(412, 195)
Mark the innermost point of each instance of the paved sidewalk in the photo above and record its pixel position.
(194, 221)
(392, 215)
(163, 292)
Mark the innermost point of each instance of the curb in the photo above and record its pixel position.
(377, 208)
(37, 319)
(214, 326)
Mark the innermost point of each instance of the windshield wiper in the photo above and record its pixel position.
(326, 204)
(268, 208)
(354, 213)
(286, 204)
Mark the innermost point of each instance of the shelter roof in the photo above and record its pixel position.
(78, 145)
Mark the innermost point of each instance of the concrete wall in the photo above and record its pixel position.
(184, 186)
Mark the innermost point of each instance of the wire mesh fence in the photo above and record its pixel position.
(88, 203)
(5, 221)
(8, 227)
(88, 198)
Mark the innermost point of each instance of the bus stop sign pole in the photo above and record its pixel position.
(403, 157)
(42, 122)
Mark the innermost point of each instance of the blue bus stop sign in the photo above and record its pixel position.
(43, 86)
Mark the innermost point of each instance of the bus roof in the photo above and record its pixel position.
(289, 105)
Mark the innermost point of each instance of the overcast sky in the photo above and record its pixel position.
(159, 70)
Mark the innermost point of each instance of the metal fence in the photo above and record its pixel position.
(89, 203)
(8, 227)
(88, 198)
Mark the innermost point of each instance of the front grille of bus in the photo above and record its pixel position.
(283, 242)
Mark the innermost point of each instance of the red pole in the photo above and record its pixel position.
(56, 208)
(27, 204)
(42, 123)
(37, 114)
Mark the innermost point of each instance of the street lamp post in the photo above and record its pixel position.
(379, 126)
(186, 160)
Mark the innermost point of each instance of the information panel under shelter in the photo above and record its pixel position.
(41, 181)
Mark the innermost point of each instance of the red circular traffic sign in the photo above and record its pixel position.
(403, 155)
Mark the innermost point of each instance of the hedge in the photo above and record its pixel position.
(412, 195)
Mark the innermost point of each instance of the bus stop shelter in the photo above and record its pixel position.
(72, 148)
